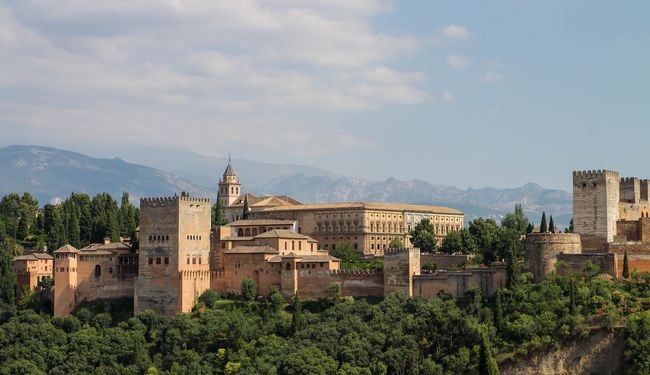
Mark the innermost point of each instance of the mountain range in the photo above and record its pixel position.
(52, 174)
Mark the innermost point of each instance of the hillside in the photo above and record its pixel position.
(51, 174)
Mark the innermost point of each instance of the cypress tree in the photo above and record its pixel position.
(529, 228)
(626, 266)
(498, 314)
(7, 275)
(486, 363)
(572, 298)
(246, 212)
(512, 269)
(543, 228)
(74, 232)
(297, 319)
(218, 217)
(551, 225)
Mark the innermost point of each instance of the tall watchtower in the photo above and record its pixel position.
(229, 186)
(400, 265)
(596, 196)
(65, 279)
(174, 267)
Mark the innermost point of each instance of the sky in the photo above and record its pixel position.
(463, 93)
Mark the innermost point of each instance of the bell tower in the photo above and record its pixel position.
(229, 186)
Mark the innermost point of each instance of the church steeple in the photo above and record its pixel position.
(229, 186)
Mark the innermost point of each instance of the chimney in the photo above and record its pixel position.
(107, 240)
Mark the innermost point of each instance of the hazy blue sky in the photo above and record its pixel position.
(465, 93)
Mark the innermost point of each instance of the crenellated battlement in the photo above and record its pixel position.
(166, 201)
(629, 180)
(373, 273)
(399, 251)
(594, 174)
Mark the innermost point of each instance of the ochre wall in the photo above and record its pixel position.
(456, 283)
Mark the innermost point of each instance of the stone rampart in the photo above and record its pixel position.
(456, 283)
(445, 261)
(542, 250)
(607, 263)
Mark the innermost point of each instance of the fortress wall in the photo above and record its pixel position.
(314, 283)
(445, 261)
(638, 255)
(456, 283)
(577, 262)
(627, 230)
(542, 250)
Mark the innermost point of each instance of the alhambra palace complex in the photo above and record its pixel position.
(284, 244)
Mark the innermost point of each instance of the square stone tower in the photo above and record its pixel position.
(400, 265)
(174, 267)
(596, 196)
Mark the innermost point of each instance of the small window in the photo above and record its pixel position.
(193, 260)
(166, 260)
(158, 260)
(150, 260)
(110, 269)
(223, 245)
(199, 260)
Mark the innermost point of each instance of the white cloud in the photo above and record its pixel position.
(448, 97)
(456, 32)
(458, 62)
(492, 77)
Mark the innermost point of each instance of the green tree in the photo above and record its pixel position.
(209, 298)
(469, 244)
(530, 228)
(498, 312)
(10, 212)
(276, 299)
(346, 252)
(516, 220)
(486, 363)
(626, 266)
(543, 228)
(572, 298)
(7, 275)
(248, 290)
(297, 318)
(452, 243)
(396, 243)
(55, 227)
(551, 225)
(423, 236)
(74, 229)
(218, 218)
(247, 210)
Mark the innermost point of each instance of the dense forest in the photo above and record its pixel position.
(79, 221)
(245, 334)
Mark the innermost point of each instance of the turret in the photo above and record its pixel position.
(229, 186)
(65, 279)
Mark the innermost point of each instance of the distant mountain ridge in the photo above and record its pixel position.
(52, 174)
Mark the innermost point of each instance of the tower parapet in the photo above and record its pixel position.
(400, 265)
(542, 250)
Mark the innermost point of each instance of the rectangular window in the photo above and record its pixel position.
(199, 260)
(188, 260)
(150, 260)
(193, 260)
(110, 269)
(223, 245)
(166, 260)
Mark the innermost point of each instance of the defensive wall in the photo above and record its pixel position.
(456, 283)
(542, 250)
(445, 261)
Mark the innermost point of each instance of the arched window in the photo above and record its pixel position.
(248, 232)
(98, 271)
(240, 232)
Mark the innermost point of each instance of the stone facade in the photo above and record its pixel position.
(400, 267)
(368, 226)
(30, 269)
(104, 270)
(456, 283)
(174, 256)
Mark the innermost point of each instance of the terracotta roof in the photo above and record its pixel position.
(251, 250)
(67, 249)
(291, 255)
(369, 206)
(258, 222)
(283, 233)
(111, 246)
(265, 201)
(318, 258)
(41, 255)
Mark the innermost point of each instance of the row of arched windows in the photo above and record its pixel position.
(158, 237)
(193, 237)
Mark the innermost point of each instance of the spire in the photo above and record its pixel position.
(230, 171)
